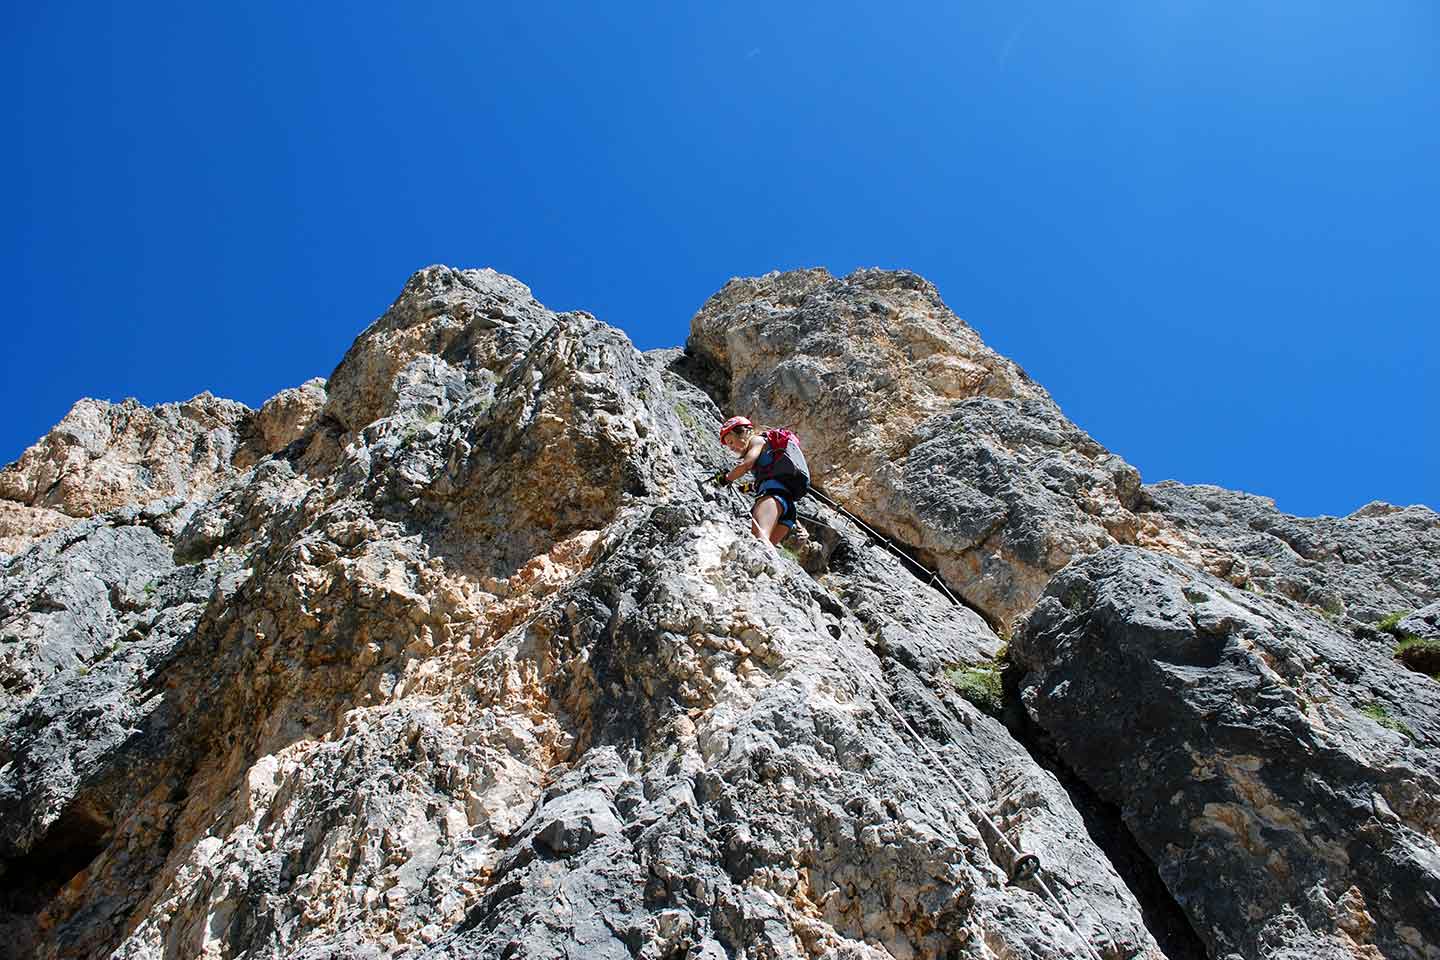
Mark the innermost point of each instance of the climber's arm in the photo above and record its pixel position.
(753, 449)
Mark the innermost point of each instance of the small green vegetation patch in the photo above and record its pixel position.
(1391, 621)
(1416, 653)
(981, 685)
(1381, 716)
(1076, 595)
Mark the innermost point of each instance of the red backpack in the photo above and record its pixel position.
(788, 462)
(780, 438)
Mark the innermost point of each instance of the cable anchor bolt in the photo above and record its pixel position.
(1027, 867)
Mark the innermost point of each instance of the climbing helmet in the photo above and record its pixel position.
(732, 424)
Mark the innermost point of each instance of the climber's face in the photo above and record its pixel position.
(735, 444)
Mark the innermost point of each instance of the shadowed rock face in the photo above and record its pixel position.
(466, 659)
(1277, 769)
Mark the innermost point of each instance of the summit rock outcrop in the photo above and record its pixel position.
(912, 420)
(458, 654)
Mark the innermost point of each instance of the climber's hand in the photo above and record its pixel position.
(721, 478)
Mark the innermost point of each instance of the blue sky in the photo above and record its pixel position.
(1210, 230)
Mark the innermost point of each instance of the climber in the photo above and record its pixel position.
(781, 475)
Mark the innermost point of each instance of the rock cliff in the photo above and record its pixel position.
(457, 654)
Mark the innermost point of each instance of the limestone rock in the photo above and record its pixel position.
(471, 320)
(92, 623)
(459, 655)
(290, 414)
(70, 602)
(1379, 560)
(1419, 640)
(478, 665)
(912, 422)
(21, 526)
(1282, 773)
(766, 805)
(1423, 623)
(104, 456)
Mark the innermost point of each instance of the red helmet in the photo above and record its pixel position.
(732, 424)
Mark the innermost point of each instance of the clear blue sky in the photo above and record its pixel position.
(1211, 230)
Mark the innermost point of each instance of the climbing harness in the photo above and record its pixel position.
(1024, 867)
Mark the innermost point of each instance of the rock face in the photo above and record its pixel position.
(1423, 623)
(107, 456)
(289, 415)
(912, 421)
(447, 327)
(458, 655)
(1245, 742)
(21, 526)
(1379, 560)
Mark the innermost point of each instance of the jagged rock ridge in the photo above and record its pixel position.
(455, 654)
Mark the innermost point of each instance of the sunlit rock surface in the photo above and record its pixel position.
(1379, 560)
(108, 456)
(104, 456)
(457, 654)
(911, 420)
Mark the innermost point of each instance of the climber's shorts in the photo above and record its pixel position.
(782, 495)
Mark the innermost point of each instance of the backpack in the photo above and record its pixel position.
(780, 438)
(788, 463)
